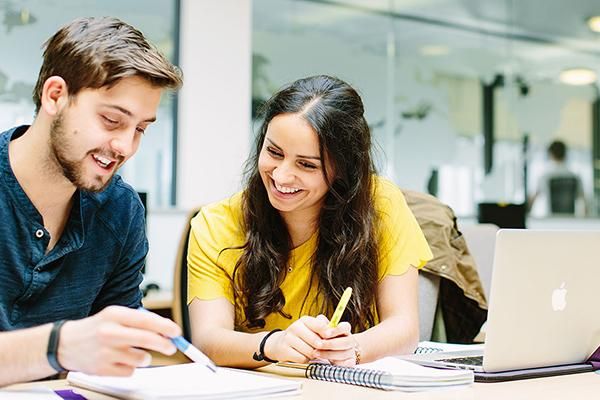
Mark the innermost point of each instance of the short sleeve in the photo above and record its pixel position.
(401, 241)
(211, 255)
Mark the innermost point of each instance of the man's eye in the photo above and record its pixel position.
(140, 130)
(109, 120)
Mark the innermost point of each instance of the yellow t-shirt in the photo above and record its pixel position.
(219, 226)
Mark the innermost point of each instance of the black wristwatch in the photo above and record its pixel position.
(52, 351)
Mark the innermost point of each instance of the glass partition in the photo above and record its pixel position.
(463, 97)
(28, 24)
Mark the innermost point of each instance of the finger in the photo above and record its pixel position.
(349, 362)
(293, 355)
(339, 343)
(337, 355)
(302, 329)
(111, 365)
(119, 336)
(133, 357)
(141, 320)
(317, 325)
(300, 346)
(116, 370)
(343, 329)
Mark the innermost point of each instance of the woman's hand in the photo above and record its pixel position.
(338, 345)
(310, 338)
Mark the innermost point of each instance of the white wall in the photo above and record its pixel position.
(214, 103)
(214, 120)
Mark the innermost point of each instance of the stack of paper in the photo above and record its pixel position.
(187, 381)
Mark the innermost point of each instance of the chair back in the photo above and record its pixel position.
(429, 290)
(563, 193)
(180, 280)
(481, 239)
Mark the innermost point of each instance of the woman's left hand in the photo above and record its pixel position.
(338, 345)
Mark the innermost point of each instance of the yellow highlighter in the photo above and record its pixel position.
(339, 310)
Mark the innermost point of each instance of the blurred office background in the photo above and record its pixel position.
(463, 96)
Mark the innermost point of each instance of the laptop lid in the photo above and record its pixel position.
(542, 309)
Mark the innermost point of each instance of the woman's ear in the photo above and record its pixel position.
(55, 95)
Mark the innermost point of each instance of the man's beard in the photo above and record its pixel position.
(73, 170)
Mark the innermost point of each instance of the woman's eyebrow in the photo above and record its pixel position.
(297, 155)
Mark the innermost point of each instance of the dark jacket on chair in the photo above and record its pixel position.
(463, 302)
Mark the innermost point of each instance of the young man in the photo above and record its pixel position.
(72, 231)
(560, 186)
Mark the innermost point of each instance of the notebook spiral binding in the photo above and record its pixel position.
(426, 350)
(349, 375)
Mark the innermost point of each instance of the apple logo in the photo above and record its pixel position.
(559, 298)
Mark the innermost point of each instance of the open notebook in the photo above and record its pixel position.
(187, 381)
(388, 373)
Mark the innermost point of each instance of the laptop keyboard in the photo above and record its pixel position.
(473, 360)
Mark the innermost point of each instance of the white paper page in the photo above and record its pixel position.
(29, 394)
(185, 381)
(412, 371)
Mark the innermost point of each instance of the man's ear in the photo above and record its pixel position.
(55, 95)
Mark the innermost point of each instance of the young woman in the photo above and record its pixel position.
(268, 265)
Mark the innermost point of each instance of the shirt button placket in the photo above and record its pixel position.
(39, 233)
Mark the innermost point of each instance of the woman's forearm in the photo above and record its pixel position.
(393, 336)
(229, 348)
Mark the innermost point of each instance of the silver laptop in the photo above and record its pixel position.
(543, 308)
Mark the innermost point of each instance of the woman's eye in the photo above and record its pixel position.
(140, 130)
(274, 152)
(308, 165)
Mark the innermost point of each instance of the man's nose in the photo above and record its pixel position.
(123, 144)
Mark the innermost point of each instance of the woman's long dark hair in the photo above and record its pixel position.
(346, 251)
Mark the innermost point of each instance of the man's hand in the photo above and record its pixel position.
(114, 341)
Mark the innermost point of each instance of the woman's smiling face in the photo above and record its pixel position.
(290, 167)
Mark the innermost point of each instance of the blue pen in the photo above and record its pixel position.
(193, 353)
(190, 350)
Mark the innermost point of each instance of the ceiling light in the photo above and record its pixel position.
(578, 76)
(594, 23)
(434, 50)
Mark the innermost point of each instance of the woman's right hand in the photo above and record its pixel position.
(303, 340)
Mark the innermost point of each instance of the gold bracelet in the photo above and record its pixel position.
(356, 352)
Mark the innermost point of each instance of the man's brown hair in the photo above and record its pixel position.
(98, 52)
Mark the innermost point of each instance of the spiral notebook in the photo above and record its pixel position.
(388, 373)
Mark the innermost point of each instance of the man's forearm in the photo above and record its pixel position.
(23, 355)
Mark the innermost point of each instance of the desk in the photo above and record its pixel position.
(579, 386)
